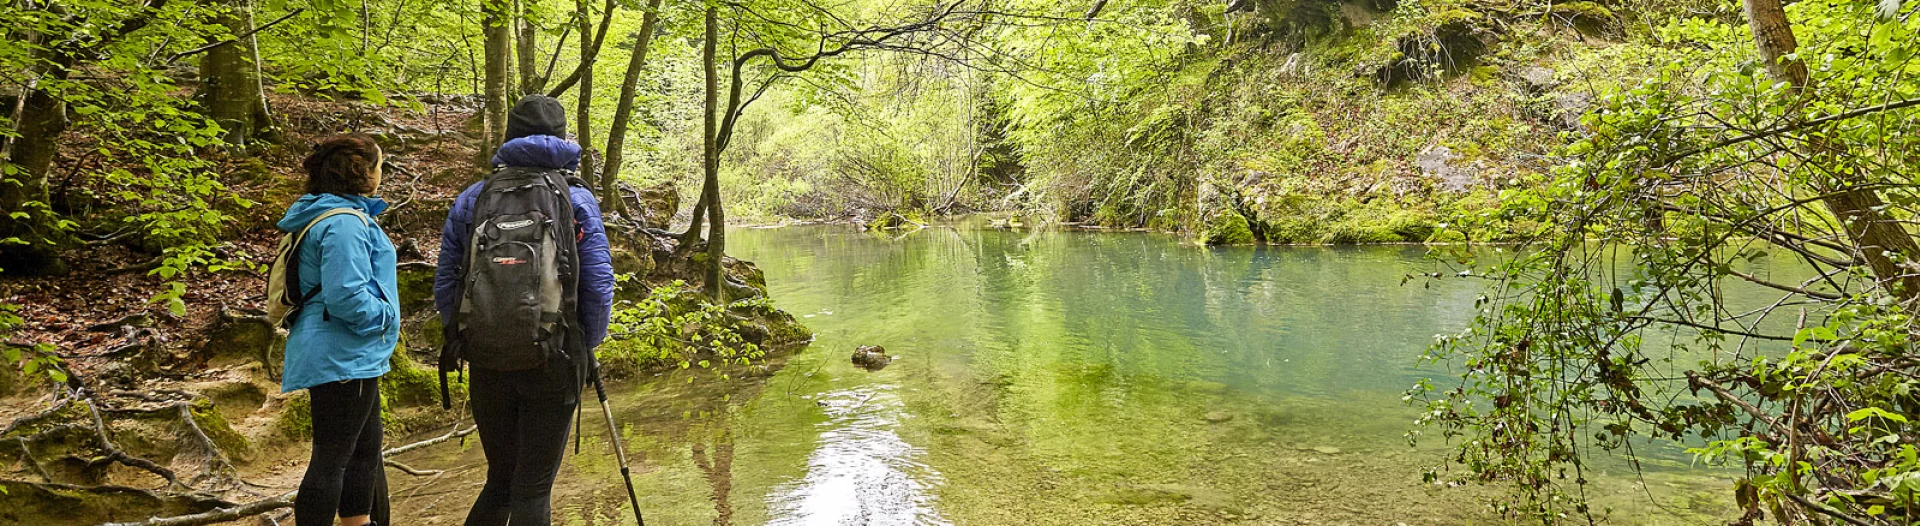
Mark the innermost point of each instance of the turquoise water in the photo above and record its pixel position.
(1060, 378)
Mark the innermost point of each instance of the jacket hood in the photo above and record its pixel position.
(539, 151)
(310, 206)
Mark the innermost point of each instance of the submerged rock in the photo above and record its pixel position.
(1218, 416)
(871, 357)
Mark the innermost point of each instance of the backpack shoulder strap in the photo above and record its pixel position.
(293, 269)
(336, 212)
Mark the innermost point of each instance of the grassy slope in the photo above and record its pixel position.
(1326, 139)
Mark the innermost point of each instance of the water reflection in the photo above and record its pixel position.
(718, 467)
(862, 472)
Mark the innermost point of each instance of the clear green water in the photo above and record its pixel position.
(1058, 378)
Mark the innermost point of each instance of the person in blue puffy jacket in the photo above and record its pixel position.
(339, 341)
(523, 415)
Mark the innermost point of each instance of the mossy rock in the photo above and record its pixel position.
(629, 261)
(35, 503)
(657, 204)
(240, 337)
(1227, 228)
(748, 273)
(894, 220)
(416, 287)
(296, 417)
(409, 384)
(215, 425)
(423, 331)
(1579, 10)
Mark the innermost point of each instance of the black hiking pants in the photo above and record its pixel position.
(345, 476)
(523, 418)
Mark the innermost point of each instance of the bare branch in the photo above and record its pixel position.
(217, 45)
(1785, 128)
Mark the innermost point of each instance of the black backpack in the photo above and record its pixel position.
(517, 299)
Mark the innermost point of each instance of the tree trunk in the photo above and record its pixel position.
(43, 118)
(1774, 36)
(717, 227)
(1877, 238)
(583, 121)
(499, 49)
(617, 131)
(231, 88)
(528, 49)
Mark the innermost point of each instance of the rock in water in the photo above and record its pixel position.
(871, 357)
(1219, 416)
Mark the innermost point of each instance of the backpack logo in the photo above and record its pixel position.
(514, 225)
(508, 261)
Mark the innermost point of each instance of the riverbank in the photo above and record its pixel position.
(901, 224)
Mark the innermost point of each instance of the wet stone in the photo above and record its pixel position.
(871, 357)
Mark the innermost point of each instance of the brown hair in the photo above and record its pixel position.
(342, 165)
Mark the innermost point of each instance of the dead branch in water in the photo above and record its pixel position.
(285, 500)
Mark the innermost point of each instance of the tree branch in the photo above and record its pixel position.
(1788, 288)
(1694, 378)
(1777, 130)
(217, 45)
(1095, 10)
(1830, 512)
(606, 19)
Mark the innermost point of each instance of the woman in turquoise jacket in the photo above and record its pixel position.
(342, 336)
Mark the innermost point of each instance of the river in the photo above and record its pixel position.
(1059, 377)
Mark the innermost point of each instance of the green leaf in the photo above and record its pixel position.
(1874, 412)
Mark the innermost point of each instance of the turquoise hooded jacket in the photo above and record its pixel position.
(348, 330)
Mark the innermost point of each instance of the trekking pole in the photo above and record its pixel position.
(619, 450)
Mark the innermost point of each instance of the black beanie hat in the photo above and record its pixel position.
(537, 115)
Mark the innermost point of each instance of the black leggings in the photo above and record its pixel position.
(345, 473)
(523, 418)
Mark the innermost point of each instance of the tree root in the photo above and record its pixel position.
(222, 466)
(285, 500)
(114, 454)
(58, 405)
(26, 457)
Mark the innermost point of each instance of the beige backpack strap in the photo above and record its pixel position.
(330, 213)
